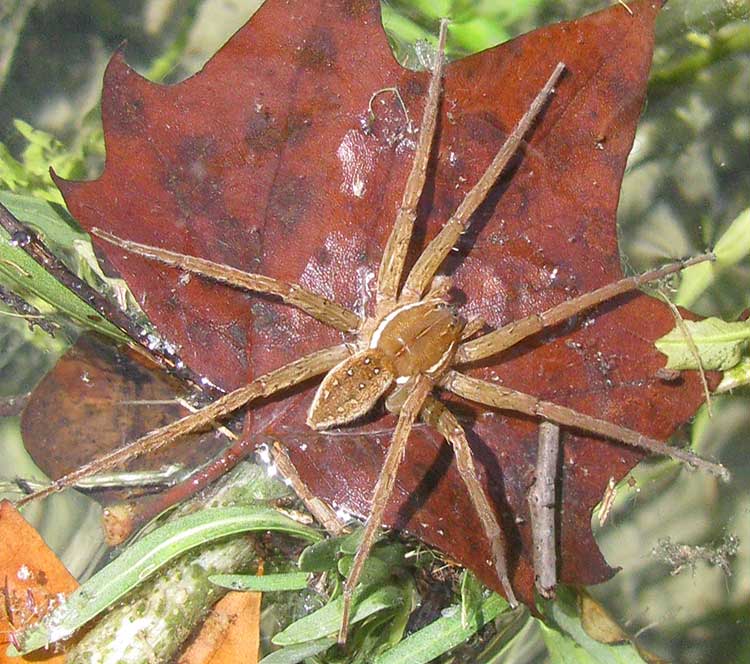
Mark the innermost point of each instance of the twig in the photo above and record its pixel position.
(142, 340)
(542, 507)
(141, 479)
(608, 501)
(623, 4)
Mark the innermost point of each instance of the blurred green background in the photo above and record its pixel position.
(688, 179)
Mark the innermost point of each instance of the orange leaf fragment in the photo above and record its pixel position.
(31, 577)
(230, 634)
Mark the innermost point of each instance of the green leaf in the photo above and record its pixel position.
(350, 543)
(568, 642)
(298, 652)
(391, 553)
(720, 344)
(25, 276)
(264, 584)
(374, 571)
(471, 597)
(736, 377)
(731, 248)
(321, 556)
(31, 173)
(68, 242)
(43, 217)
(562, 648)
(443, 634)
(397, 624)
(327, 619)
(145, 557)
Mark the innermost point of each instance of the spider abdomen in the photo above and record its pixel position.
(350, 389)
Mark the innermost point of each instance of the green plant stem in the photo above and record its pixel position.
(730, 41)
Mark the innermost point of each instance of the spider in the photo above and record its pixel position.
(413, 342)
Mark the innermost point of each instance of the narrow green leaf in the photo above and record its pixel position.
(350, 543)
(442, 635)
(264, 584)
(327, 619)
(64, 239)
(731, 248)
(42, 216)
(471, 597)
(720, 344)
(146, 556)
(24, 275)
(398, 622)
(562, 648)
(298, 652)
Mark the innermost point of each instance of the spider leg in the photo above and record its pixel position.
(542, 504)
(428, 263)
(439, 288)
(394, 255)
(437, 415)
(317, 306)
(383, 490)
(264, 386)
(512, 333)
(472, 327)
(322, 512)
(497, 396)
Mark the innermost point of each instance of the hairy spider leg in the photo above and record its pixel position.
(472, 327)
(542, 502)
(382, 491)
(512, 333)
(264, 386)
(438, 249)
(321, 510)
(320, 308)
(503, 398)
(394, 254)
(438, 416)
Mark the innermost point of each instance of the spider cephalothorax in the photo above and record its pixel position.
(412, 343)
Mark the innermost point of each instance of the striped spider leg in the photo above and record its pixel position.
(291, 374)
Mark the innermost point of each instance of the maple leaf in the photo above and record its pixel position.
(268, 160)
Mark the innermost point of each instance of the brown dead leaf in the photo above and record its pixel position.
(249, 163)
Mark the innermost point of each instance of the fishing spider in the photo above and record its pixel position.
(414, 341)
